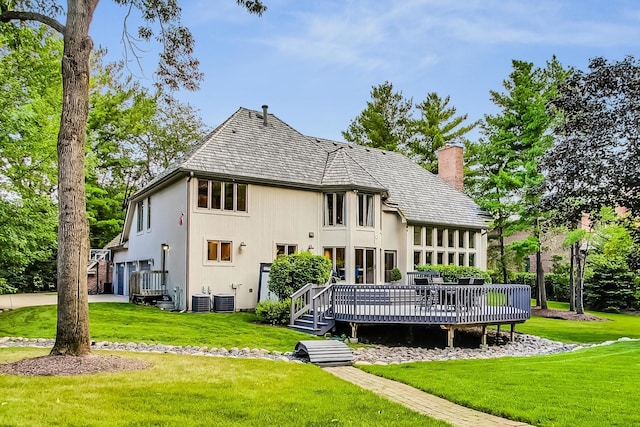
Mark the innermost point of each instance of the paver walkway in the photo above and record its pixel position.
(420, 401)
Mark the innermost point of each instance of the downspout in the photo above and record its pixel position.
(187, 251)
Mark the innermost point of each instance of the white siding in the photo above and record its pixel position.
(274, 216)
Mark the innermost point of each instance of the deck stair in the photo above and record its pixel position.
(325, 352)
(305, 324)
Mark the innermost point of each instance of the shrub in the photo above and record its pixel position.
(274, 312)
(396, 275)
(451, 273)
(291, 272)
(6, 288)
(612, 286)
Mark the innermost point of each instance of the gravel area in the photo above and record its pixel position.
(523, 345)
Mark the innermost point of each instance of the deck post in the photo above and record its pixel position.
(513, 330)
(451, 330)
(483, 341)
(497, 333)
(354, 329)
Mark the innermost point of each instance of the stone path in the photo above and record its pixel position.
(420, 401)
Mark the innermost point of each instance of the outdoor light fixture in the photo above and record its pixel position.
(165, 246)
(310, 247)
(165, 249)
(243, 246)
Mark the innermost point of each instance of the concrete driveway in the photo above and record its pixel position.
(12, 301)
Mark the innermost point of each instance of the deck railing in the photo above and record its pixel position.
(147, 283)
(432, 304)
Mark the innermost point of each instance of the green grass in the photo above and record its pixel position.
(592, 387)
(616, 326)
(133, 323)
(195, 391)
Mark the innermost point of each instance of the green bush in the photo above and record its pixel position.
(291, 272)
(396, 275)
(611, 287)
(6, 288)
(451, 273)
(274, 312)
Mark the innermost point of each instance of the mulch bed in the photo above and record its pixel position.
(72, 365)
(566, 315)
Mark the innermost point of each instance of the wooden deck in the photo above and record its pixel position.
(450, 306)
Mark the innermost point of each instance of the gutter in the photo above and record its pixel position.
(188, 243)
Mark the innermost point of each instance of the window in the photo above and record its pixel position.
(203, 194)
(365, 210)
(336, 255)
(148, 213)
(461, 239)
(365, 266)
(389, 264)
(417, 235)
(417, 258)
(285, 249)
(472, 240)
(440, 237)
(440, 258)
(461, 259)
(472, 260)
(219, 195)
(429, 237)
(428, 258)
(334, 209)
(140, 216)
(218, 250)
(451, 258)
(451, 238)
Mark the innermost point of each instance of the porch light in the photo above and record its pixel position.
(243, 246)
(165, 247)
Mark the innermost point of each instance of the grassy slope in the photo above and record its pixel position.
(591, 388)
(132, 323)
(617, 326)
(194, 391)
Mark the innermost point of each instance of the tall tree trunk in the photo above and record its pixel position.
(503, 263)
(72, 335)
(580, 282)
(542, 291)
(572, 279)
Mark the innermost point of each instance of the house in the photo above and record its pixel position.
(255, 188)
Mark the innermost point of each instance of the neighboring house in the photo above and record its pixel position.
(256, 188)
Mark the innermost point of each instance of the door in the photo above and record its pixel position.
(365, 266)
(389, 264)
(120, 278)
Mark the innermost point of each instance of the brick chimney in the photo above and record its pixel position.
(451, 165)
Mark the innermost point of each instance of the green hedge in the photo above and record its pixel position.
(291, 272)
(274, 312)
(451, 273)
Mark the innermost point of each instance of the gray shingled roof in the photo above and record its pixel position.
(245, 149)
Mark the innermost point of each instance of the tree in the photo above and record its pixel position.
(385, 123)
(291, 272)
(437, 126)
(508, 179)
(595, 160)
(177, 68)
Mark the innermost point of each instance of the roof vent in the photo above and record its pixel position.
(264, 113)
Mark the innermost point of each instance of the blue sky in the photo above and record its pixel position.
(314, 62)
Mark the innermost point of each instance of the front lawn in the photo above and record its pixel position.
(591, 388)
(615, 326)
(194, 391)
(132, 323)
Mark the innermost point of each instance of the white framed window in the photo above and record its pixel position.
(334, 209)
(285, 249)
(140, 216)
(149, 213)
(219, 195)
(365, 210)
(417, 235)
(365, 265)
(389, 264)
(219, 250)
